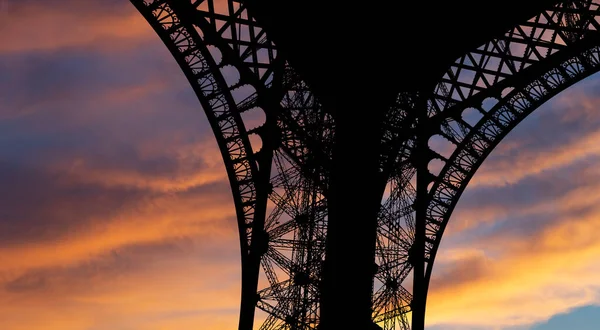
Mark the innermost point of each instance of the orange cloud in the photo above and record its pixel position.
(173, 288)
(580, 193)
(196, 164)
(511, 280)
(510, 166)
(510, 277)
(192, 203)
(155, 219)
(531, 162)
(504, 280)
(42, 27)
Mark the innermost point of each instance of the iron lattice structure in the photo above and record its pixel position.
(279, 169)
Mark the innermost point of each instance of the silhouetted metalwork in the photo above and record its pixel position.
(277, 141)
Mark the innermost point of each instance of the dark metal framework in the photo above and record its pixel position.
(279, 170)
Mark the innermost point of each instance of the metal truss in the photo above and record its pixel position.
(395, 236)
(234, 70)
(396, 220)
(479, 100)
(486, 93)
(279, 185)
(279, 170)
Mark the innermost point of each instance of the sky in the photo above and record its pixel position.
(116, 213)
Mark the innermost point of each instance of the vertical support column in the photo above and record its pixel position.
(418, 249)
(354, 199)
(260, 239)
(250, 272)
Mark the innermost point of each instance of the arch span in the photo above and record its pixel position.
(280, 189)
(557, 48)
(477, 120)
(235, 70)
(475, 143)
(481, 97)
(279, 176)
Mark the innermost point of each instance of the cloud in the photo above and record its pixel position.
(523, 248)
(109, 86)
(163, 170)
(513, 169)
(151, 219)
(115, 209)
(515, 280)
(92, 256)
(107, 119)
(559, 190)
(146, 287)
(534, 146)
(526, 259)
(51, 25)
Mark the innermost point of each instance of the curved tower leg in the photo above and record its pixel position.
(501, 82)
(281, 171)
(275, 179)
(280, 185)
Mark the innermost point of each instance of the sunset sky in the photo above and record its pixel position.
(115, 210)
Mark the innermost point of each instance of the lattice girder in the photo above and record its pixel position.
(506, 61)
(487, 133)
(280, 93)
(395, 236)
(303, 139)
(539, 58)
(502, 65)
(572, 54)
(214, 93)
(301, 132)
(296, 228)
(224, 99)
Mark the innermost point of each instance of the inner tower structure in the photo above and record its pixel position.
(340, 212)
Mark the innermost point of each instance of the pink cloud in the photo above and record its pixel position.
(169, 289)
(43, 27)
(529, 278)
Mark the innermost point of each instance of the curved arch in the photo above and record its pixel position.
(478, 141)
(538, 59)
(206, 78)
(491, 73)
(277, 190)
(203, 73)
(570, 24)
(287, 177)
(521, 52)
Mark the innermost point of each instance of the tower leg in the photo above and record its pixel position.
(249, 288)
(251, 265)
(354, 201)
(418, 248)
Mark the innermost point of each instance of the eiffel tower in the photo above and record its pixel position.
(373, 119)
